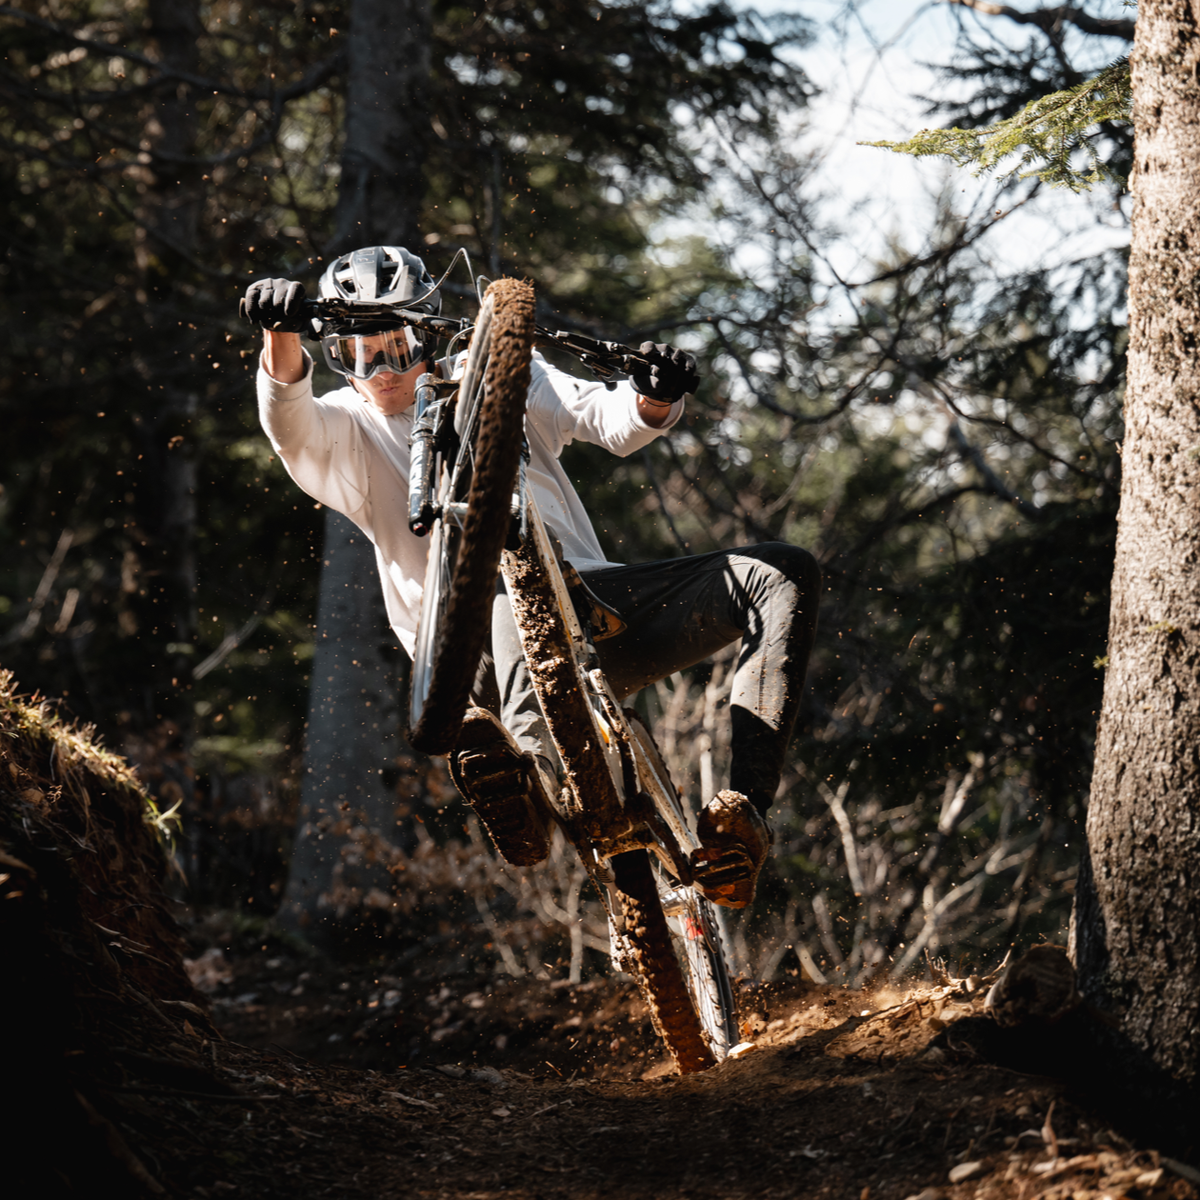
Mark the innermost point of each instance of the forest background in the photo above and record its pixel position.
(921, 384)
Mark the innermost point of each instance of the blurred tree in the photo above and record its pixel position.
(353, 741)
(145, 165)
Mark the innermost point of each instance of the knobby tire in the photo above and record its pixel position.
(648, 939)
(694, 927)
(463, 617)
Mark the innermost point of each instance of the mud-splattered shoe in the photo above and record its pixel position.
(503, 787)
(734, 842)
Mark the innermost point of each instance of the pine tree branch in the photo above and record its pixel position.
(1045, 135)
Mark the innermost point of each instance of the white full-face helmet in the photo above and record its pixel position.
(359, 349)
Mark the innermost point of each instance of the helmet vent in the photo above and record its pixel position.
(387, 274)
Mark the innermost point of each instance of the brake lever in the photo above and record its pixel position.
(603, 359)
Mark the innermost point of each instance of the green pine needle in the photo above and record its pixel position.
(1045, 135)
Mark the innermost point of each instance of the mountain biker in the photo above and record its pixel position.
(349, 450)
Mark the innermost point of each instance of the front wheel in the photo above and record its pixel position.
(475, 497)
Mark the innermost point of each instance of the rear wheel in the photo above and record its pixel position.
(475, 499)
(696, 937)
(692, 920)
(649, 953)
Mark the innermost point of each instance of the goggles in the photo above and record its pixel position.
(359, 356)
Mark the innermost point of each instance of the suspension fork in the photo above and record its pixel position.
(433, 418)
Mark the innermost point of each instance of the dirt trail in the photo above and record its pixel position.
(249, 1070)
(843, 1096)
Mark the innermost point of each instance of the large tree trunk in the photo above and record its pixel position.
(347, 796)
(382, 182)
(1137, 919)
(161, 564)
(351, 750)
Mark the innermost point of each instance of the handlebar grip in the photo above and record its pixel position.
(309, 309)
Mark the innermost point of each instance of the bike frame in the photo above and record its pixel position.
(615, 795)
(630, 805)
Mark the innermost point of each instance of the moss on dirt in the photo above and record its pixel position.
(94, 977)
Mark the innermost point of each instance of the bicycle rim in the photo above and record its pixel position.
(464, 556)
(696, 938)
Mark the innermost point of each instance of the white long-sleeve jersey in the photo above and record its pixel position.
(348, 455)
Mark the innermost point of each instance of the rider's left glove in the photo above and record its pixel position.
(671, 373)
(276, 304)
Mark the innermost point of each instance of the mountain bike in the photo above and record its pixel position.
(615, 801)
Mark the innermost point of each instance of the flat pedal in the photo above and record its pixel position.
(733, 867)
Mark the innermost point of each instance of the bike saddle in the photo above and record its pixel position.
(604, 620)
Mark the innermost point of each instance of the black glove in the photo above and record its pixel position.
(276, 304)
(671, 373)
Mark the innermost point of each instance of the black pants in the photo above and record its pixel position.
(679, 612)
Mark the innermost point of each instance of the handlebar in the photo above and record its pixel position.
(365, 311)
(604, 359)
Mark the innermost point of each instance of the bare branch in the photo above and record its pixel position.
(994, 482)
(43, 589)
(967, 236)
(228, 645)
(1050, 20)
(876, 531)
(949, 404)
(834, 800)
